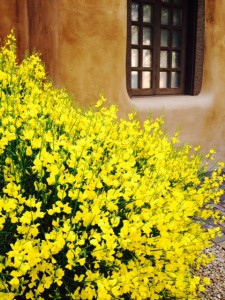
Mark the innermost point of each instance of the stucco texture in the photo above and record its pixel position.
(92, 47)
(83, 44)
(13, 15)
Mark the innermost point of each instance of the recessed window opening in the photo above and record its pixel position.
(162, 46)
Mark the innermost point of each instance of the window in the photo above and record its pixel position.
(165, 47)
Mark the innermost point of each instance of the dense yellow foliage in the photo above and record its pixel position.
(92, 207)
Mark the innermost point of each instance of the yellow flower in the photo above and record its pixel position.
(14, 282)
(29, 151)
(59, 273)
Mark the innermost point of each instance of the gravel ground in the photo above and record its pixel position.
(216, 272)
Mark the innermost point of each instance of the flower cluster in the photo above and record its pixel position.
(92, 207)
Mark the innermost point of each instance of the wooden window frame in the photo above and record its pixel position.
(194, 53)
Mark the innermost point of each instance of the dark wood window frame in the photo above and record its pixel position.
(194, 53)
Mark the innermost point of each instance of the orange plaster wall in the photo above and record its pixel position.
(43, 33)
(83, 44)
(214, 75)
(13, 15)
(92, 47)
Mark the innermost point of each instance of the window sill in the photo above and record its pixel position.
(172, 102)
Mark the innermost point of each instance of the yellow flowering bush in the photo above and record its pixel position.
(93, 207)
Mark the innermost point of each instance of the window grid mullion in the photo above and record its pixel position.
(156, 46)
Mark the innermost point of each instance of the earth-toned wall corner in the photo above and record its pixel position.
(13, 15)
(92, 48)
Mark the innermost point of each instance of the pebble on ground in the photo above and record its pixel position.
(216, 272)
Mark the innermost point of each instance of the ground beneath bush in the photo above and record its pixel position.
(216, 269)
(216, 272)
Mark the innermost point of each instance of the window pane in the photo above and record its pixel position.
(146, 36)
(147, 13)
(146, 77)
(134, 58)
(134, 79)
(178, 2)
(175, 80)
(163, 59)
(176, 38)
(146, 58)
(164, 38)
(165, 16)
(177, 17)
(134, 11)
(163, 80)
(175, 59)
(135, 39)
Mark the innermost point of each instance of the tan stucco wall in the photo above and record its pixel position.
(92, 39)
(43, 32)
(83, 44)
(13, 15)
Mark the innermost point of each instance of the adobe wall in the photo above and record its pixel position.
(83, 44)
(92, 41)
(43, 33)
(13, 15)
